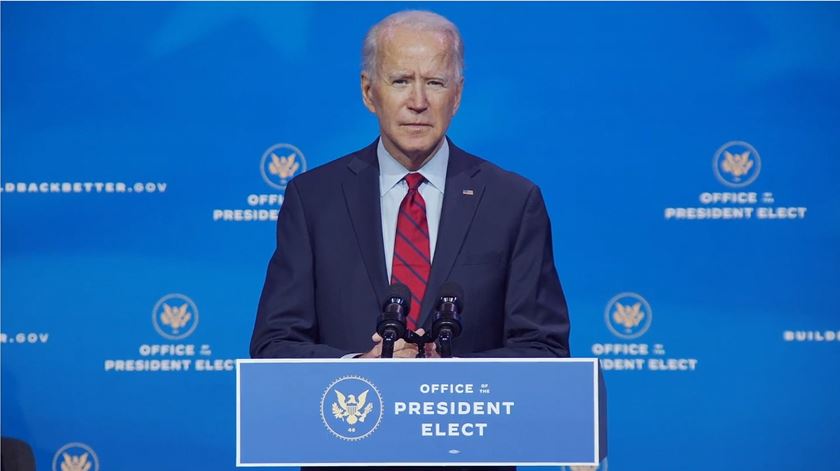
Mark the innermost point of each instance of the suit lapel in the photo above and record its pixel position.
(361, 193)
(455, 220)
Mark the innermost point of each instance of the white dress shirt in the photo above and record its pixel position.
(392, 190)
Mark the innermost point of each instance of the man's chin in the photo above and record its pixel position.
(417, 151)
(419, 154)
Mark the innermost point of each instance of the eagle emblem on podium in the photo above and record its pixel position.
(351, 409)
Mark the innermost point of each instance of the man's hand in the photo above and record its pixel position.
(402, 349)
(431, 350)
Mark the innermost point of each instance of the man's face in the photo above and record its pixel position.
(414, 92)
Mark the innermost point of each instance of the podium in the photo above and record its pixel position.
(420, 412)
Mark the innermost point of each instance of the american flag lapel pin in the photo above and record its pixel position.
(469, 192)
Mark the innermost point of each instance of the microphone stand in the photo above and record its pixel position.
(388, 340)
(446, 325)
(444, 342)
(391, 322)
(420, 341)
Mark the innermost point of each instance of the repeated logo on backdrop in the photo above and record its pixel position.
(75, 457)
(174, 317)
(629, 316)
(737, 165)
(278, 165)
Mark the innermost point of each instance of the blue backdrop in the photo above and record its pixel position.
(687, 154)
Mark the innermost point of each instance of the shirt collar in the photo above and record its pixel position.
(391, 171)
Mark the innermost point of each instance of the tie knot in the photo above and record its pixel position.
(414, 180)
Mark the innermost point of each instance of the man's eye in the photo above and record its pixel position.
(400, 82)
(436, 83)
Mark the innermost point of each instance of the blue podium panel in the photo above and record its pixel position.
(418, 412)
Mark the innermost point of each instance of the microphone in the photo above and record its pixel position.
(390, 325)
(447, 319)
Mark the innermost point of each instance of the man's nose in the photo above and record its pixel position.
(418, 101)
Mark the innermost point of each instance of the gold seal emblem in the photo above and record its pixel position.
(280, 163)
(349, 409)
(284, 167)
(628, 315)
(75, 457)
(175, 316)
(736, 164)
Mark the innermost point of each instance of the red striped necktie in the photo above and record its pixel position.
(412, 263)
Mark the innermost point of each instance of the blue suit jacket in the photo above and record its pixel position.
(327, 279)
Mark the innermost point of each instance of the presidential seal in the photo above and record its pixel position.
(628, 315)
(351, 408)
(75, 457)
(280, 163)
(175, 316)
(737, 164)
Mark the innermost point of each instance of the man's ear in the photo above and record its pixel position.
(367, 92)
(457, 105)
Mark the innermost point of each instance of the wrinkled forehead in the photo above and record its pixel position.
(403, 47)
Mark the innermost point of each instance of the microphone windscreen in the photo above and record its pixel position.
(450, 289)
(399, 290)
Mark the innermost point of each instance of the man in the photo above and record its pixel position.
(411, 208)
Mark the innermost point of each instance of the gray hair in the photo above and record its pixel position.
(419, 21)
